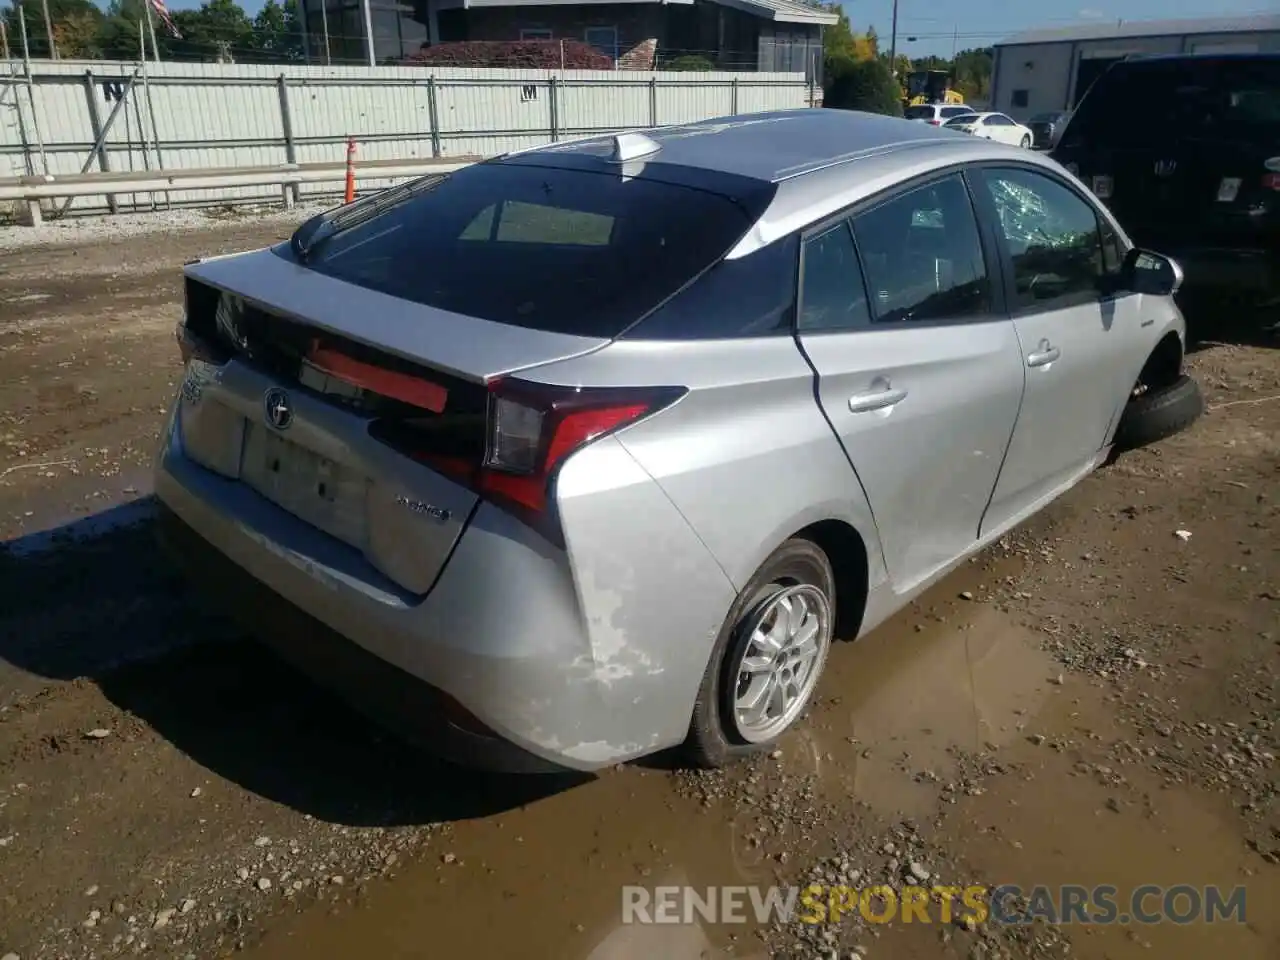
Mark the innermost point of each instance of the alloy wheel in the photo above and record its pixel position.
(789, 636)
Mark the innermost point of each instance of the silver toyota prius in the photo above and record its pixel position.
(591, 450)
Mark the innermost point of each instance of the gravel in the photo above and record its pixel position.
(95, 229)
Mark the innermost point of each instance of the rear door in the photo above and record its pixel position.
(1081, 346)
(919, 372)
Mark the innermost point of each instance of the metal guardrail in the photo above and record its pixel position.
(32, 190)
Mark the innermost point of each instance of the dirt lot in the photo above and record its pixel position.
(1093, 701)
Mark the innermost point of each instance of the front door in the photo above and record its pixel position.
(1076, 339)
(918, 373)
(1002, 129)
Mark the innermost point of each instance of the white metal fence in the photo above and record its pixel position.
(71, 116)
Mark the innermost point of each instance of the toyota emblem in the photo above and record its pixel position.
(276, 408)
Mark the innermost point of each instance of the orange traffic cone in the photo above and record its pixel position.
(351, 170)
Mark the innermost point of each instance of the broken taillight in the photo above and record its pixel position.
(194, 347)
(197, 332)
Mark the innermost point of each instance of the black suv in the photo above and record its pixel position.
(1185, 150)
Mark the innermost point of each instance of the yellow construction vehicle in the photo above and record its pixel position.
(929, 86)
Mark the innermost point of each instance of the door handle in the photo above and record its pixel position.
(1045, 354)
(876, 400)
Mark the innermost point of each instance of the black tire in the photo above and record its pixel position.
(713, 740)
(1159, 413)
(1026, 142)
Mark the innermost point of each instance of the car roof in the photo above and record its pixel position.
(773, 146)
(822, 160)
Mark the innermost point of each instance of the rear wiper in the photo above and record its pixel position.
(325, 226)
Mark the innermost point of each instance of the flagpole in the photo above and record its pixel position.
(368, 32)
(324, 26)
(48, 29)
(137, 109)
(151, 30)
(151, 113)
(31, 86)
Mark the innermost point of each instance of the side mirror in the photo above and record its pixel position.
(1147, 272)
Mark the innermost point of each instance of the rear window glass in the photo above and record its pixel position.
(751, 296)
(1182, 100)
(918, 113)
(956, 111)
(567, 251)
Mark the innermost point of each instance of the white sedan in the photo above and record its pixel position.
(993, 126)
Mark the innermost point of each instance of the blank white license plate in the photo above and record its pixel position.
(325, 494)
(1228, 189)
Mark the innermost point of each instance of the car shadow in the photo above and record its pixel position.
(97, 599)
(1217, 320)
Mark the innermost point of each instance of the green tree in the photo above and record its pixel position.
(872, 41)
(973, 73)
(118, 34)
(838, 39)
(218, 26)
(931, 62)
(76, 36)
(865, 85)
(277, 32)
(75, 26)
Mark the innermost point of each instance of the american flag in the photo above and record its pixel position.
(163, 13)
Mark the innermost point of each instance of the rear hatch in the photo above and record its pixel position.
(1041, 130)
(350, 382)
(1043, 127)
(927, 114)
(1182, 150)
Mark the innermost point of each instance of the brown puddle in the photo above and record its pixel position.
(542, 881)
(545, 880)
(1066, 821)
(901, 698)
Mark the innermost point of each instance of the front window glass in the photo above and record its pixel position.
(1052, 237)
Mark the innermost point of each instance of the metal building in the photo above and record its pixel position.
(1051, 69)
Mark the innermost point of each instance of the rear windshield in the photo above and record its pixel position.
(961, 121)
(566, 251)
(956, 111)
(1236, 100)
(918, 113)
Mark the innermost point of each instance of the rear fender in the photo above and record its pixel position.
(746, 457)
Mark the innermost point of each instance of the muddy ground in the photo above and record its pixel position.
(1092, 701)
